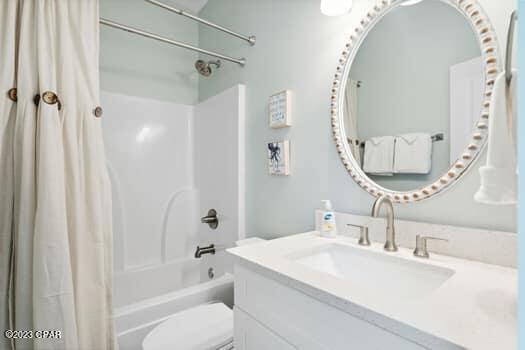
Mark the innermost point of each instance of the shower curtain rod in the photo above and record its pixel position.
(107, 22)
(250, 39)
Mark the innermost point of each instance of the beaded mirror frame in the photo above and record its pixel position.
(487, 39)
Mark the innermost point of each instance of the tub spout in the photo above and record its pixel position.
(204, 250)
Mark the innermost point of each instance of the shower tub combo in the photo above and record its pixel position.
(164, 179)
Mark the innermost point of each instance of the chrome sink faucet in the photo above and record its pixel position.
(421, 250)
(390, 243)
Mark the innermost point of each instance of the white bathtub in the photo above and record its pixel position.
(143, 298)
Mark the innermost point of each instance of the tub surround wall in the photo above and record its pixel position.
(149, 148)
(298, 48)
(219, 172)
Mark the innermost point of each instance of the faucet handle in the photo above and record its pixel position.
(421, 250)
(364, 239)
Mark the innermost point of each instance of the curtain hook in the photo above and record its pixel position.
(12, 94)
(98, 111)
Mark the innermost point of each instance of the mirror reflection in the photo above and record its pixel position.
(413, 95)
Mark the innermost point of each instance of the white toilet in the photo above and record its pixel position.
(204, 327)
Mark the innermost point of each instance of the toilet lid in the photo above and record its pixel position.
(200, 328)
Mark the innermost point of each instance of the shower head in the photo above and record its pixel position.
(204, 68)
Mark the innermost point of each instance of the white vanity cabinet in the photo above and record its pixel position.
(308, 292)
(251, 334)
(272, 315)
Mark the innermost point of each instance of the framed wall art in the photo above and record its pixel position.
(279, 157)
(280, 109)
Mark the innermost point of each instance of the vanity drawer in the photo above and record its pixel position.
(306, 322)
(252, 335)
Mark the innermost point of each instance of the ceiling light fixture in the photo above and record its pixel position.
(411, 2)
(335, 7)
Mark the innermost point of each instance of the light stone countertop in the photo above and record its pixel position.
(476, 308)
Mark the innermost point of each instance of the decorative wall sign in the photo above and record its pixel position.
(280, 109)
(279, 157)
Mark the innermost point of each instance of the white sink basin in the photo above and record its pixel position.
(377, 272)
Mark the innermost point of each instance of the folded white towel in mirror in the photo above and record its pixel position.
(499, 180)
(379, 156)
(413, 153)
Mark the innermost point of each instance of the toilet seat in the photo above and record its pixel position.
(203, 327)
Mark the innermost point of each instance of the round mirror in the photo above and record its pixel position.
(411, 96)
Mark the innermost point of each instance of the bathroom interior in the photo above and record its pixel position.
(258, 174)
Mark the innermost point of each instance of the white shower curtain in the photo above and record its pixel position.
(55, 205)
(350, 119)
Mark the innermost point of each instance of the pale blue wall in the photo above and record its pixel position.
(137, 66)
(297, 48)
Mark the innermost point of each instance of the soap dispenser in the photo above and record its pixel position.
(328, 228)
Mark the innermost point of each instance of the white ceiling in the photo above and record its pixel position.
(193, 6)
